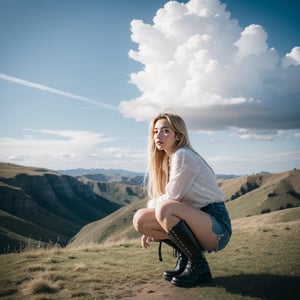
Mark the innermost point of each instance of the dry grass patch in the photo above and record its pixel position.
(80, 267)
(43, 284)
(35, 268)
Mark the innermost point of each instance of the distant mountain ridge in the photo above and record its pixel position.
(119, 175)
(106, 172)
(107, 175)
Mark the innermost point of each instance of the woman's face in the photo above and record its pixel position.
(164, 137)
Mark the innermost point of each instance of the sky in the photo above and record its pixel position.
(80, 81)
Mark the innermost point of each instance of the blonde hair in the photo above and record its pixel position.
(158, 161)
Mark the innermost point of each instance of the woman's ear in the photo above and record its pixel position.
(178, 136)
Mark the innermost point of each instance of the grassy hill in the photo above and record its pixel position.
(257, 194)
(40, 206)
(262, 261)
(11, 170)
(115, 227)
(105, 261)
(117, 192)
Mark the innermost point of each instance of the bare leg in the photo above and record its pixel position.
(163, 223)
(169, 212)
(144, 222)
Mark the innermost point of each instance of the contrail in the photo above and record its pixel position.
(55, 91)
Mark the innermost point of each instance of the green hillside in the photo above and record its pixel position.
(251, 202)
(11, 170)
(104, 260)
(115, 227)
(117, 192)
(259, 194)
(39, 206)
(262, 261)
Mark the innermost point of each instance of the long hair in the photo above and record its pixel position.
(158, 160)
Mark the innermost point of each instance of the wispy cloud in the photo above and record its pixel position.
(56, 91)
(64, 149)
(258, 135)
(277, 161)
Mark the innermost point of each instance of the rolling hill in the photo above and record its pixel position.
(262, 261)
(246, 196)
(256, 194)
(40, 206)
(104, 259)
(122, 193)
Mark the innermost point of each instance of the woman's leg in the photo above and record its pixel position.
(144, 222)
(168, 213)
(191, 230)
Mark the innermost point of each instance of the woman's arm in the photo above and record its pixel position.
(183, 171)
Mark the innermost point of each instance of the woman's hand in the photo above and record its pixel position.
(145, 241)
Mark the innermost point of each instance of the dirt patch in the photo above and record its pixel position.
(160, 290)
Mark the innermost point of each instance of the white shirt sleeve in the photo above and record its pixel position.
(183, 171)
(151, 203)
(191, 180)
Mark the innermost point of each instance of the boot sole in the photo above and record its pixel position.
(205, 279)
(169, 278)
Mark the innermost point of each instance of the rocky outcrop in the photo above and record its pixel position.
(60, 204)
(54, 193)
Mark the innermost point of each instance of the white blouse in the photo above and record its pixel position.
(191, 181)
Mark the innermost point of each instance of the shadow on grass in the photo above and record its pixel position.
(265, 286)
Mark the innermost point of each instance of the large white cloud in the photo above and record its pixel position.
(198, 62)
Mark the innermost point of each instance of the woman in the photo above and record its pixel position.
(186, 209)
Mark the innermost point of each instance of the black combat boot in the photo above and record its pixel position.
(180, 263)
(197, 270)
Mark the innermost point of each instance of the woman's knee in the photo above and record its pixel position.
(163, 210)
(138, 219)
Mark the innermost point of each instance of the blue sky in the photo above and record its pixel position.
(80, 80)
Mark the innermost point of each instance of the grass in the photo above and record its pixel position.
(8, 170)
(262, 261)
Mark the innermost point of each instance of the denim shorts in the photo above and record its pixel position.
(221, 224)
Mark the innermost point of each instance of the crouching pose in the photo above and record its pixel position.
(187, 209)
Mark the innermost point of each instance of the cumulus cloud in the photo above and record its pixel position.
(198, 62)
(62, 149)
(253, 41)
(292, 58)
